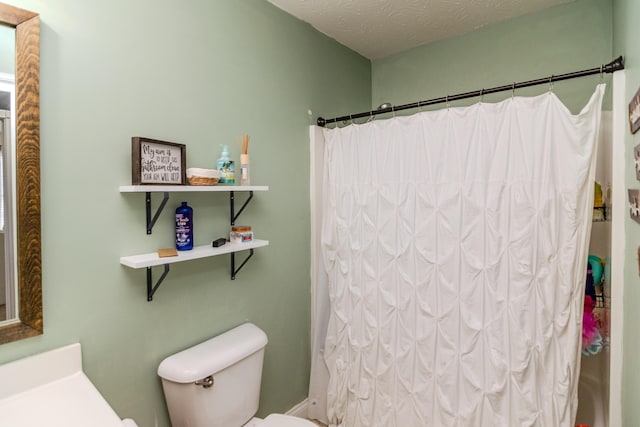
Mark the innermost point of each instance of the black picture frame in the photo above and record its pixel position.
(634, 204)
(636, 161)
(634, 113)
(155, 162)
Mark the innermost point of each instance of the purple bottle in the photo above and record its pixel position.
(184, 227)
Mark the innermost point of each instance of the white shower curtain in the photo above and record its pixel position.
(453, 244)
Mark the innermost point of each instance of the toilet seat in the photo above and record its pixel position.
(279, 420)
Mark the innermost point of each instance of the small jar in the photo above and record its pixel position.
(241, 234)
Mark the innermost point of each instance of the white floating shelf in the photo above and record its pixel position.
(152, 259)
(190, 188)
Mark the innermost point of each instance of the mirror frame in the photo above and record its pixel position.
(27, 125)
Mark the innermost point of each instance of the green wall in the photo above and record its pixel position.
(557, 40)
(200, 73)
(626, 37)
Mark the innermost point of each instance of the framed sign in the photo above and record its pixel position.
(634, 112)
(156, 162)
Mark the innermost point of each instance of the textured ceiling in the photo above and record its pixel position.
(378, 28)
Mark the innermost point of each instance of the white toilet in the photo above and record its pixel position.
(217, 383)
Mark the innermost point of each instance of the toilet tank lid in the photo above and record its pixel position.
(213, 355)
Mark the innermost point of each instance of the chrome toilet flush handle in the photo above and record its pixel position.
(205, 382)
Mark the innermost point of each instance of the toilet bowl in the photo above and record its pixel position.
(279, 420)
(217, 382)
(50, 389)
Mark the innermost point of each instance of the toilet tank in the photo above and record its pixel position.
(215, 383)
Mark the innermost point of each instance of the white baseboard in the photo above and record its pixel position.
(300, 410)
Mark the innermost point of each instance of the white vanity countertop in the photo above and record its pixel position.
(51, 390)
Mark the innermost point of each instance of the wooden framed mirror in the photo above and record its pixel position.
(28, 321)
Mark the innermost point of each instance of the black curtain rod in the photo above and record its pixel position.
(615, 65)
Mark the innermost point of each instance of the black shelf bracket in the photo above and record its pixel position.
(151, 221)
(151, 289)
(234, 215)
(235, 271)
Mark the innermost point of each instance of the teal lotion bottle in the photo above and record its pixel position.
(225, 166)
(184, 227)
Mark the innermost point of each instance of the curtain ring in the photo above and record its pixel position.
(481, 95)
(351, 118)
(513, 90)
(447, 101)
(551, 83)
(371, 116)
(601, 73)
(393, 110)
(353, 121)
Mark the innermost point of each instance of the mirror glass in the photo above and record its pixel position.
(20, 264)
(8, 285)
